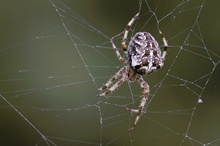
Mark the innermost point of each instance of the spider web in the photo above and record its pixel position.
(55, 54)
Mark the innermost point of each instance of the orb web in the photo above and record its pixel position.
(56, 56)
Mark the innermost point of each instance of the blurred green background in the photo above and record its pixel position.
(52, 63)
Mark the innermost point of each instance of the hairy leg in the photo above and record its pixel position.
(112, 79)
(145, 92)
(115, 86)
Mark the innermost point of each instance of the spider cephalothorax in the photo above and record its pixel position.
(143, 57)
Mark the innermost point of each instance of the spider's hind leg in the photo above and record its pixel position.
(165, 45)
(127, 28)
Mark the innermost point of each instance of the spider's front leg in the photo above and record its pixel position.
(145, 92)
(112, 79)
(115, 86)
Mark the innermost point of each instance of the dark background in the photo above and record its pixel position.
(51, 77)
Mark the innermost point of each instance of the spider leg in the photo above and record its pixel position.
(112, 79)
(117, 52)
(145, 92)
(128, 26)
(165, 46)
(115, 86)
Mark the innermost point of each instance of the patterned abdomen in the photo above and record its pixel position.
(144, 54)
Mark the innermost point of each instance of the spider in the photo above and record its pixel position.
(143, 57)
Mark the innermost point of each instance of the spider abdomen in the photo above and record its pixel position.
(144, 54)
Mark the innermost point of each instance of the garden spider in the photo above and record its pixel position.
(143, 57)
